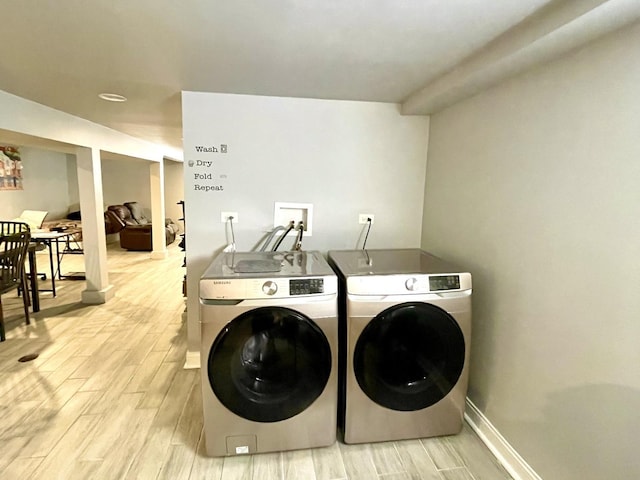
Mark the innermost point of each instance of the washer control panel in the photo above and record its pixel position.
(306, 286)
(269, 287)
(263, 288)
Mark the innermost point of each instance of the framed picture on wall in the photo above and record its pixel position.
(10, 168)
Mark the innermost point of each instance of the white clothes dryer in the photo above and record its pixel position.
(269, 352)
(405, 330)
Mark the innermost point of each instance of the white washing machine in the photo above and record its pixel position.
(269, 352)
(405, 330)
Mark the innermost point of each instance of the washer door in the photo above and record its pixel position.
(269, 364)
(409, 356)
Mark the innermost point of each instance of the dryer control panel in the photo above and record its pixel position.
(410, 284)
(444, 282)
(433, 283)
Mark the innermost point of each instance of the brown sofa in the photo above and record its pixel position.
(134, 227)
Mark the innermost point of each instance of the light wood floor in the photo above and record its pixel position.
(107, 398)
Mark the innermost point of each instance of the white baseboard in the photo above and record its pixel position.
(501, 449)
(508, 457)
(97, 297)
(192, 360)
(159, 254)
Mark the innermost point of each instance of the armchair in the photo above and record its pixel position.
(134, 228)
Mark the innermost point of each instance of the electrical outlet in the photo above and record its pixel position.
(224, 217)
(363, 218)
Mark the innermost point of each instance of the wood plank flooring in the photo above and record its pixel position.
(107, 398)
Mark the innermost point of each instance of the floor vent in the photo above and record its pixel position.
(28, 358)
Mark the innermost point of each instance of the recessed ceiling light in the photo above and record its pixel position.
(112, 97)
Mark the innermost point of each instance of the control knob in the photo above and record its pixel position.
(411, 283)
(269, 287)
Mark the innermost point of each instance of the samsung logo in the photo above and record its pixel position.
(222, 282)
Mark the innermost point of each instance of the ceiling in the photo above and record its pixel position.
(63, 54)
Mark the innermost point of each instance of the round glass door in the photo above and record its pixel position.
(409, 356)
(269, 364)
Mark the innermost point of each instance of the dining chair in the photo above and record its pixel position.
(14, 243)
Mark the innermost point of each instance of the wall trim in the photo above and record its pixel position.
(508, 457)
(97, 297)
(159, 254)
(192, 360)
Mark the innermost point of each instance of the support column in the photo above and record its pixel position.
(94, 241)
(156, 178)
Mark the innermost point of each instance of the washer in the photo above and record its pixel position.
(269, 330)
(405, 330)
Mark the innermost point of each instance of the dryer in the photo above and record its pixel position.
(405, 330)
(269, 333)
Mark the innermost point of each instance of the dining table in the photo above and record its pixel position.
(51, 240)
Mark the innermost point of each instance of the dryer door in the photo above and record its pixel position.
(269, 364)
(409, 356)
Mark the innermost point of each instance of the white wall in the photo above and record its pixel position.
(45, 185)
(535, 187)
(173, 190)
(344, 158)
(72, 183)
(51, 184)
(126, 181)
